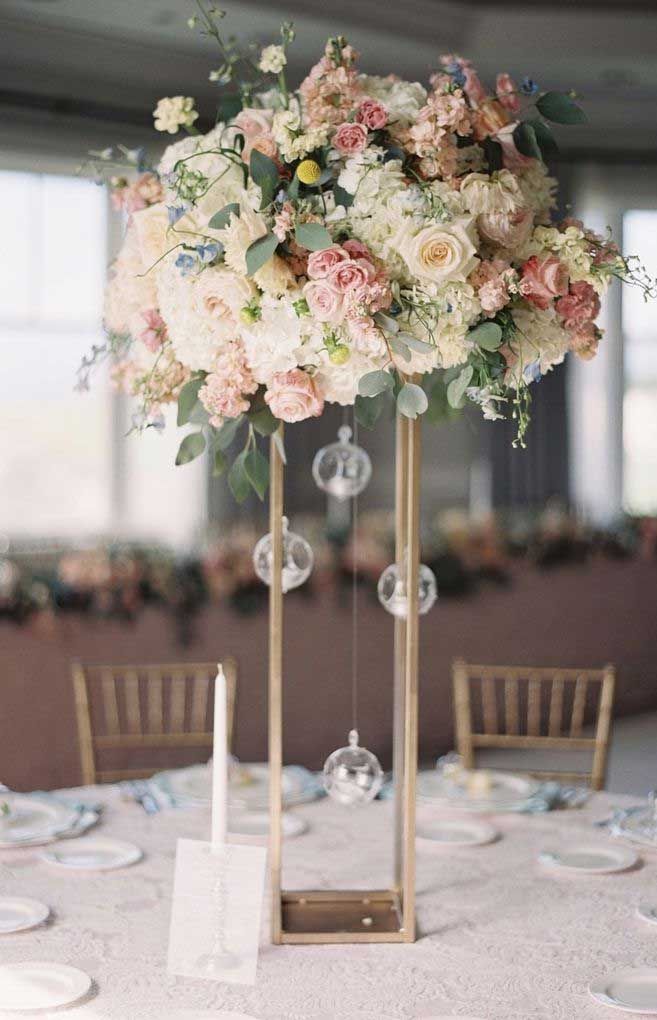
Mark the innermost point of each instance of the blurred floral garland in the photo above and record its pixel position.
(118, 581)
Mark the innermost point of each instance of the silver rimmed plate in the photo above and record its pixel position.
(18, 914)
(506, 792)
(455, 832)
(631, 991)
(648, 912)
(93, 853)
(32, 818)
(26, 986)
(594, 859)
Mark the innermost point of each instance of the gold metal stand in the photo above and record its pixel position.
(360, 915)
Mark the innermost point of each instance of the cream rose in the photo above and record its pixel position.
(441, 252)
(221, 293)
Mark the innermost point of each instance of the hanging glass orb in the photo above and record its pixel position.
(392, 593)
(298, 559)
(342, 469)
(352, 774)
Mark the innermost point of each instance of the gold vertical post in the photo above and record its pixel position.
(275, 681)
(399, 706)
(411, 660)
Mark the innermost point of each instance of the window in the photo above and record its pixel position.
(640, 371)
(67, 467)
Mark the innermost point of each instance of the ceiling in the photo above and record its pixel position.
(90, 66)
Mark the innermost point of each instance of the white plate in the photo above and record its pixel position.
(93, 853)
(18, 914)
(647, 912)
(590, 859)
(456, 832)
(193, 786)
(31, 818)
(632, 991)
(256, 823)
(507, 791)
(41, 985)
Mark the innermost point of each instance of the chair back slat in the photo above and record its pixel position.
(547, 696)
(511, 709)
(153, 707)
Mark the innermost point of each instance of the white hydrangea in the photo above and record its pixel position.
(130, 289)
(539, 337)
(402, 99)
(538, 189)
(273, 343)
(195, 335)
(338, 384)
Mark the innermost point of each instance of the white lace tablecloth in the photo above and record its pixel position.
(501, 938)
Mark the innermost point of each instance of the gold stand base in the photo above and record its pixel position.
(342, 916)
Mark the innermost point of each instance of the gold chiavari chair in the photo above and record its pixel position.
(147, 708)
(523, 708)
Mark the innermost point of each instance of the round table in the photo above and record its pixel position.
(500, 936)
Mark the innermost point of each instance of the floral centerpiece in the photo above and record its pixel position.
(353, 241)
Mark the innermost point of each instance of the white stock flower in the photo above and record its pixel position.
(174, 112)
(272, 59)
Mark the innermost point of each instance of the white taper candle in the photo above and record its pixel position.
(219, 761)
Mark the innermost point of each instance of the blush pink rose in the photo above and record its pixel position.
(320, 263)
(350, 138)
(352, 274)
(372, 114)
(507, 92)
(292, 396)
(509, 230)
(324, 301)
(580, 306)
(543, 280)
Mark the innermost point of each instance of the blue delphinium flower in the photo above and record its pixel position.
(456, 72)
(175, 212)
(528, 87)
(532, 372)
(207, 252)
(186, 263)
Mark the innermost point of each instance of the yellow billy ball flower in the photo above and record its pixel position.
(339, 355)
(309, 171)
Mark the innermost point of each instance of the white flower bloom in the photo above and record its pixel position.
(338, 384)
(498, 193)
(275, 277)
(174, 112)
(488, 400)
(273, 343)
(272, 59)
(129, 292)
(440, 252)
(402, 99)
(539, 337)
(538, 189)
(195, 334)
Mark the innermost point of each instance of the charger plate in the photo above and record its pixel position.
(590, 859)
(19, 914)
(631, 991)
(30, 986)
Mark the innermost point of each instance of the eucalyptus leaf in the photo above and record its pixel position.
(256, 468)
(546, 140)
(263, 421)
(221, 219)
(187, 399)
(487, 335)
(560, 108)
(386, 322)
(457, 387)
(293, 188)
(412, 400)
(342, 197)
(238, 480)
(368, 409)
(525, 140)
(219, 463)
(415, 344)
(373, 383)
(264, 173)
(400, 347)
(226, 434)
(228, 107)
(260, 252)
(313, 236)
(199, 415)
(191, 447)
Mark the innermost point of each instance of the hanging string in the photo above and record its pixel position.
(354, 598)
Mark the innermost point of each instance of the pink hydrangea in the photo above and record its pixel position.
(292, 396)
(226, 387)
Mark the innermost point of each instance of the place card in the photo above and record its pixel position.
(216, 911)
